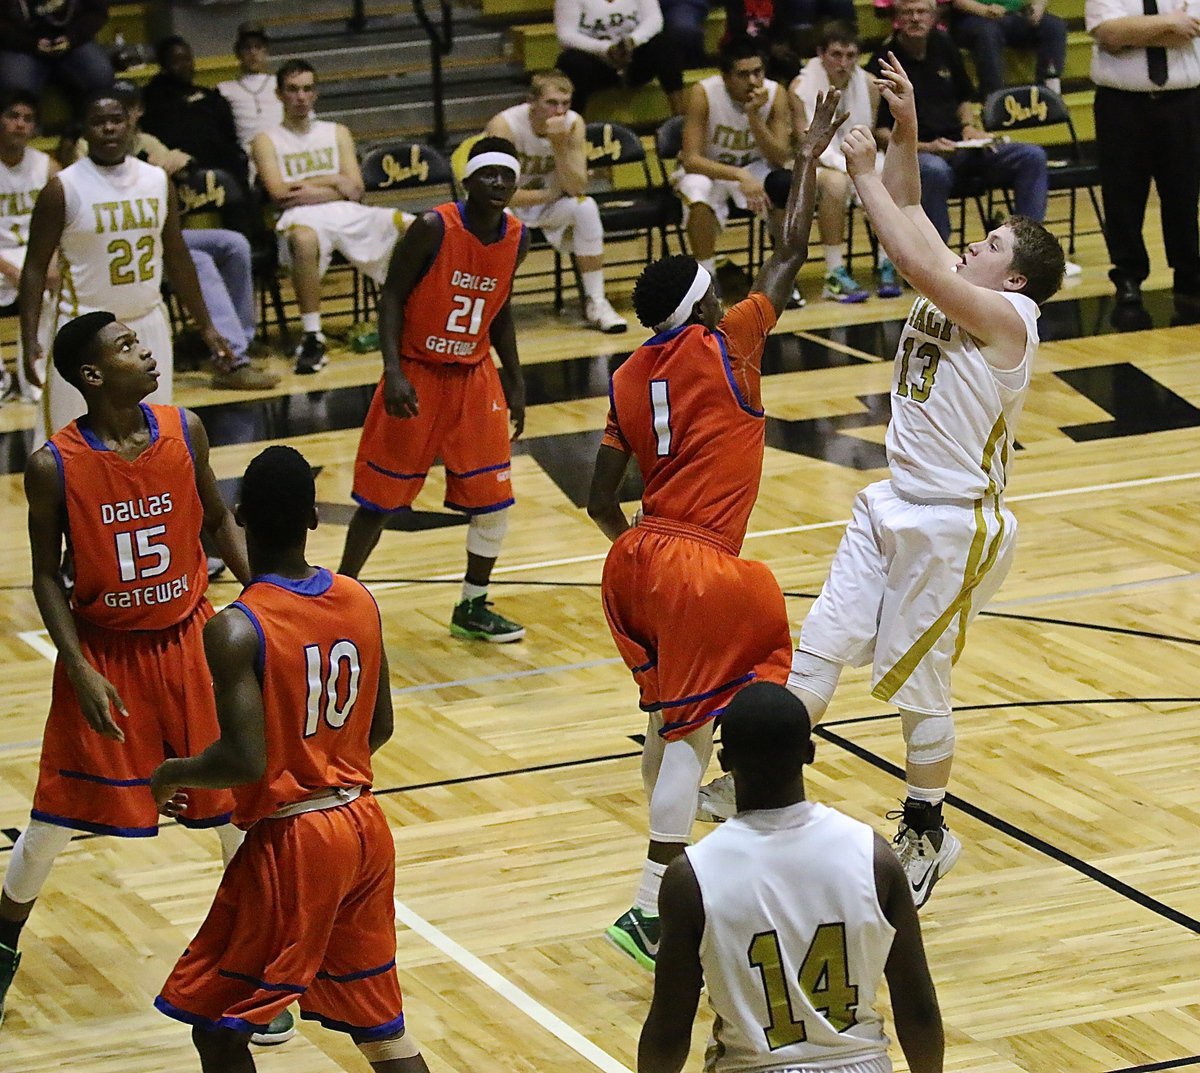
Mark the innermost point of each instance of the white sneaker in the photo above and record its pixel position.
(716, 802)
(797, 299)
(1071, 269)
(602, 317)
(925, 858)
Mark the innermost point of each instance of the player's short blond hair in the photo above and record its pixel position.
(552, 79)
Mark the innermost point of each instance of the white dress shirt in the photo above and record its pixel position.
(1128, 69)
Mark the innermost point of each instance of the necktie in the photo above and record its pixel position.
(1156, 58)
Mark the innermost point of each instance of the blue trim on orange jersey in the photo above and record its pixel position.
(733, 383)
(479, 510)
(96, 444)
(187, 435)
(644, 666)
(58, 461)
(363, 501)
(668, 335)
(362, 974)
(317, 585)
(93, 828)
(359, 1035)
(262, 985)
(260, 657)
(66, 774)
(699, 721)
(201, 825)
(398, 476)
(462, 216)
(749, 676)
(237, 1024)
(476, 472)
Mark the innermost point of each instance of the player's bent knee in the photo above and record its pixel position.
(929, 738)
(389, 1050)
(815, 675)
(485, 533)
(32, 858)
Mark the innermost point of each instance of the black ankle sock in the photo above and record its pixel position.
(921, 816)
(10, 932)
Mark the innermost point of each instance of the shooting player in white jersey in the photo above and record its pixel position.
(926, 549)
(791, 914)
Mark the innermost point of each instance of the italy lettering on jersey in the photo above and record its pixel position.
(19, 189)
(686, 405)
(953, 411)
(729, 139)
(306, 155)
(112, 237)
(133, 526)
(449, 313)
(795, 941)
(320, 652)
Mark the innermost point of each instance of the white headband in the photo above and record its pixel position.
(684, 310)
(504, 160)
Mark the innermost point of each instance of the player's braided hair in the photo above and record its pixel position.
(661, 287)
(1038, 256)
(76, 345)
(278, 495)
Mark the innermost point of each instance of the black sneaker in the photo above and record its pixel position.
(474, 620)
(637, 935)
(310, 354)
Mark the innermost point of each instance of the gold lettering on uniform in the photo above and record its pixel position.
(917, 320)
(1020, 113)
(733, 138)
(416, 168)
(190, 200)
(308, 161)
(608, 149)
(129, 222)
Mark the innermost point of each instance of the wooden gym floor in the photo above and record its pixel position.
(1065, 941)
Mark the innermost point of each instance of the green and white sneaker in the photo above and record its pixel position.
(842, 287)
(474, 620)
(281, 1029)
(9, 961)
(637, 935)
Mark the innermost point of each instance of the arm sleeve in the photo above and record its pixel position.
(745, 327)
(1097, 11)
(650, 22)
(567, 16)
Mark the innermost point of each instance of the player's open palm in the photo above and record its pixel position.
(399, 396)
(897, 90)
(825, 122)
(98, 698)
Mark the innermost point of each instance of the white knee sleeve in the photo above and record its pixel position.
(32, 858)
(485, 533)
(673, 803)
(231, 840)
(929, 738)
(652, 754)
(387, 1050)
(587, 232)
(814, 674)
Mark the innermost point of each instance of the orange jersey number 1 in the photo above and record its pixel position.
(660, 405)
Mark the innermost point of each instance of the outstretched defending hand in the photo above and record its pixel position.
(895, 88)
(825, 122)
(858, 147)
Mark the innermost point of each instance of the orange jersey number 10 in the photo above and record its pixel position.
(324, 677)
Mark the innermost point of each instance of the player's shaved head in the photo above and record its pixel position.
(765, 736)
(279, 498)
(78, 343)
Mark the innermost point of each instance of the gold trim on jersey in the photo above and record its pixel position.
(974, 572)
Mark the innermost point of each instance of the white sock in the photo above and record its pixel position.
(834, 258)
(709, 264)
(593, 284)
(881, 258)
(920, 793)
(311, 322)
(647, 895)
(472, 592)
(1054, 84)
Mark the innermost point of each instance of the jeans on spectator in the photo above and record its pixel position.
(1018, 165)
(589, 73)
(222, 260)
(793, 13)
(987, 38)
(84, 70)
(683, 28)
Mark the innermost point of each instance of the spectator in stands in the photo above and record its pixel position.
(946, 119)
(221, 257)
(613, 43)
(553, 152)
(309, 169)
(737, 128)
(987, 27)
(193, 118)
(251, 95)
(835, 66)
(44, 40)
(24, 171)
(683, 28)
(779, 27)
(1147, 73)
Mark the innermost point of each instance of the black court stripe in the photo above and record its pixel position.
(1032, 841)
(1126, 631)
(1172, 1063)
(884, 716)
(558, 765)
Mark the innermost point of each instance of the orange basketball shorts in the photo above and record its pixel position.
(303, 912)
(91, 783)
(692, 621)
(462, 419)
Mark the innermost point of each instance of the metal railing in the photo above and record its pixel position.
(441, 41)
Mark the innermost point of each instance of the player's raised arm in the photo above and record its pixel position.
(667, 1033)
(777, 277)
(914, 1001)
